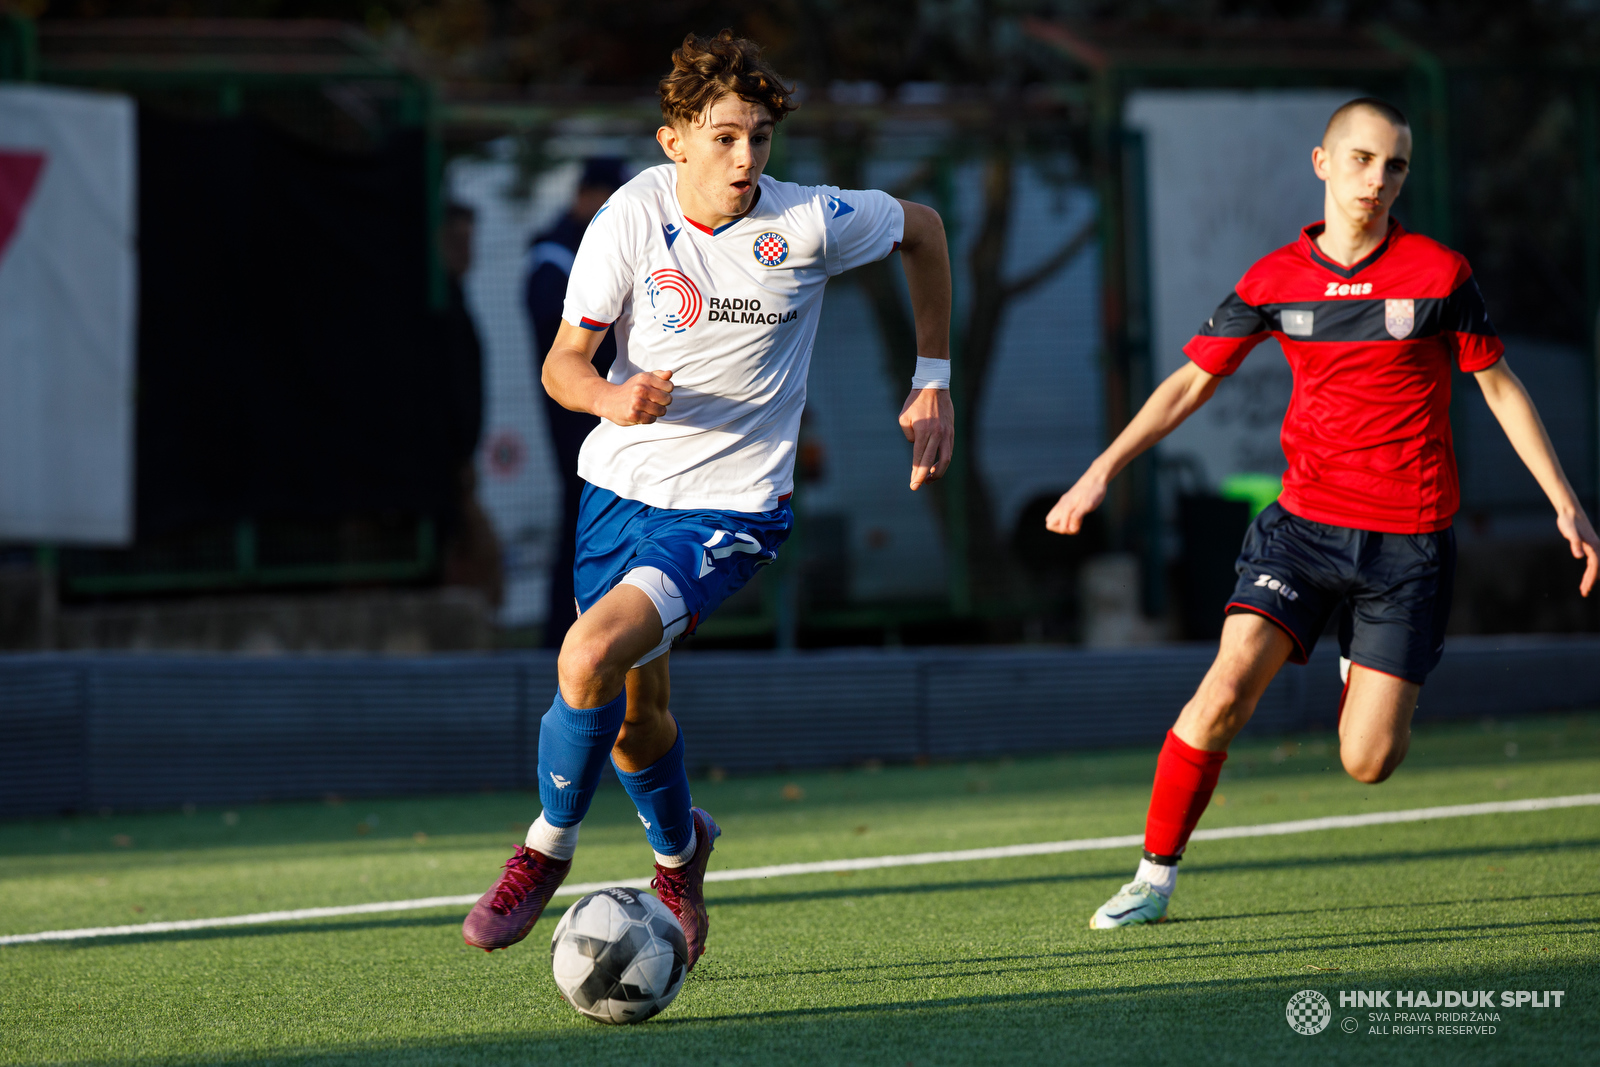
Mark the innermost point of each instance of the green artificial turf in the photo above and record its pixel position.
(968, 963)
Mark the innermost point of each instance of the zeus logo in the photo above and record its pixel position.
(1267, 581)
(560, 782)
(1349, 289)
(674, 298)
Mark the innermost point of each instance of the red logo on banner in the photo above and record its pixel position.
(506, 453)
(19, 173)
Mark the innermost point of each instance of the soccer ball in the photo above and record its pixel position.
(618, 956)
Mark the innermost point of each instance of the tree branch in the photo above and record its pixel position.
(1063, 255)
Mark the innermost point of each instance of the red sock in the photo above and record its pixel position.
(1185, 779)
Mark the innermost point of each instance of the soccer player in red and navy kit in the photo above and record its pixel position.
(1370, 318)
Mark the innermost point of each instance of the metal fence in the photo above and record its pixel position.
(82, 733)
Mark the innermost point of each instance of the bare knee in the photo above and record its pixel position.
(1375, 730)
(1250, 653)
(1227, 699)
(1373, 764)
(586, 672)
(1367, 770)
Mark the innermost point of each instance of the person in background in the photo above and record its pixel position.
(550, 259)
(471, 556)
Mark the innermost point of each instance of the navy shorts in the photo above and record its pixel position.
(687, 562)
(1392, 591)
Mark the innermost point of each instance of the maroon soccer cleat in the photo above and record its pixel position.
(505, 914)
(683, 888)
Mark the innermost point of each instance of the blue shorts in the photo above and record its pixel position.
(687, 562)
(1392, 591)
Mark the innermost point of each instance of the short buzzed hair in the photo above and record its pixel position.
(1383, 108)
(705, 69)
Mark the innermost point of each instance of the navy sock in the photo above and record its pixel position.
(661, 793)
(574, 744)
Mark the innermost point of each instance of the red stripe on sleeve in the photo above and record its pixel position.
(1475, 352)
(1221, 355)
(590, 324)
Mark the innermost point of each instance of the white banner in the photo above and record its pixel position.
(1228, 179)
(68, 278)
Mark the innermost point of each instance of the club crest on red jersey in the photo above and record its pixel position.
(1399, 316)
(771, 249)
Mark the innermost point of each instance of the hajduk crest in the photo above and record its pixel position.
(1399, 316)
(770, 249)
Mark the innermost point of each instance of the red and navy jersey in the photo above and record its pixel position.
(1367, 435)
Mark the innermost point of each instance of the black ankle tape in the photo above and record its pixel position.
(1163, 861)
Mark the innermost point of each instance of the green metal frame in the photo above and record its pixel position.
(1589, 147)
(958, 574)
(234, 79)
(19, 49)
(249, 573)
(1428, 90)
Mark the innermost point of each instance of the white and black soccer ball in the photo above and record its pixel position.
(619, 955)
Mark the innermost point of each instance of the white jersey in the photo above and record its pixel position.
(732, 312)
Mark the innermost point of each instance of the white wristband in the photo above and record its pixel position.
(931, 374)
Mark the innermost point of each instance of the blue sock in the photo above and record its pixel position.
(661, 793)
(574, 744)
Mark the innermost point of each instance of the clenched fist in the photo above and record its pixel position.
(640, 400)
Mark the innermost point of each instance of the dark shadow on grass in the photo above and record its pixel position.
(1160, 1022)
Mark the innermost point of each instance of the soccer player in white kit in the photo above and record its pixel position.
(710, 276)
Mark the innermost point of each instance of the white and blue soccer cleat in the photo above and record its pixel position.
(1135, 902)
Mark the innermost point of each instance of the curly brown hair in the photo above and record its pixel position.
(704, 69)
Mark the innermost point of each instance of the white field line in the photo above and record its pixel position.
(867, 863)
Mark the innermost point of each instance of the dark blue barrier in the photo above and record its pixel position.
(80, 732)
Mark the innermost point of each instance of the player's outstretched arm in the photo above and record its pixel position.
(928, 419)
(1173, 401)
(1514, 410)
(571, 380)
